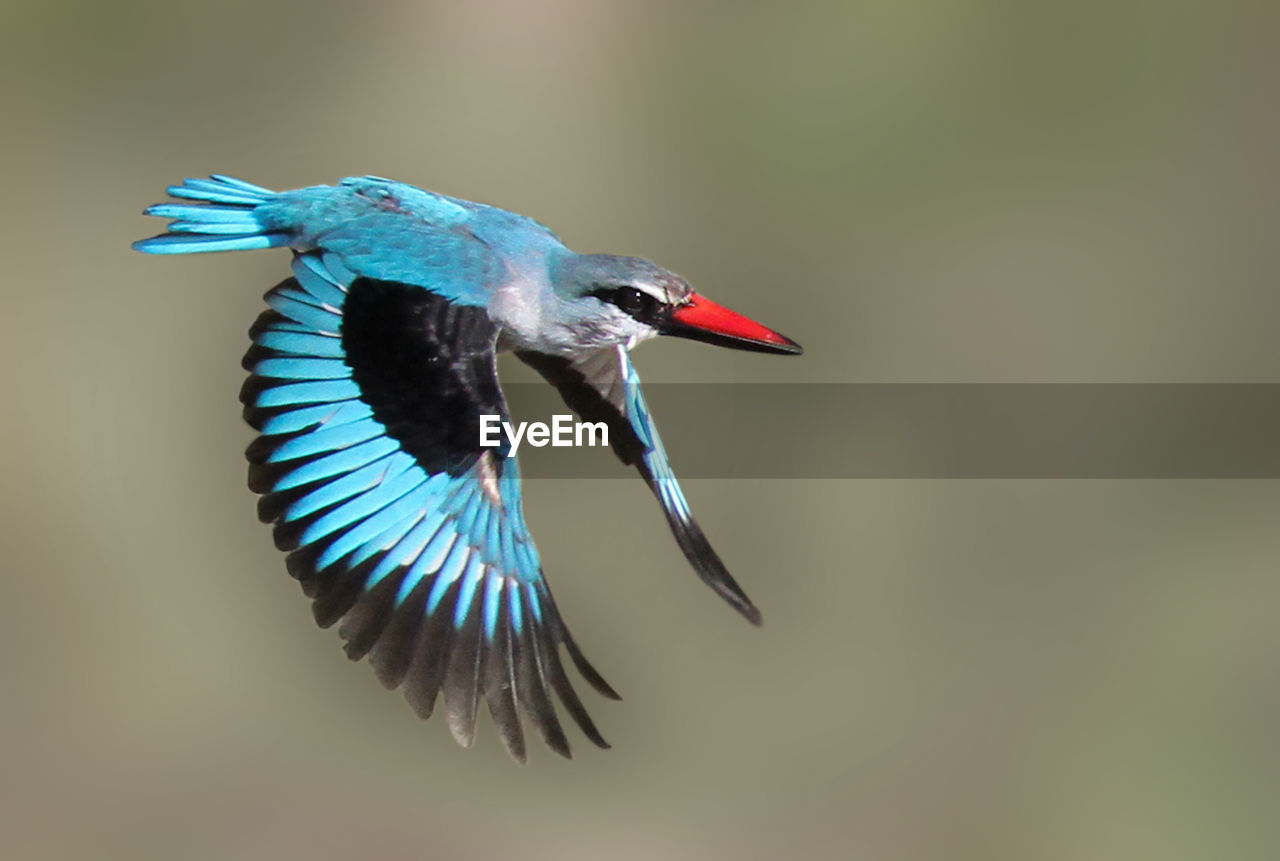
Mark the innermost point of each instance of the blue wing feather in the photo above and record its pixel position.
(308, 271)
(304, 368)
(302, 344)
(325, 439)
(337, 463)
(348, 486)
(327, 414)
(325, 392)
(416, 544)
(316, 318)
(446, 574)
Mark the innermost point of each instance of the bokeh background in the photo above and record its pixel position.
(958, 191)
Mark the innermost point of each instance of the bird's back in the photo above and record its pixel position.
(397, 232)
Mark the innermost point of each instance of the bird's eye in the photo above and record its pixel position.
(633, 301)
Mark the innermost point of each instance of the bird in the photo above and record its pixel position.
(367, 377)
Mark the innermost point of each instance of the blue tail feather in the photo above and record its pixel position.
(217, 192)
(225, 219)
(241, 184)
(221, 228)
(188, 243)
(201, 213)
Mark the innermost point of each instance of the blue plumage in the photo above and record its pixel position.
(367, 378)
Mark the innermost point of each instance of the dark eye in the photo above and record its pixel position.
(632, 301)
(629, 300)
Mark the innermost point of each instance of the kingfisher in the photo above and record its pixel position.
(368, 376)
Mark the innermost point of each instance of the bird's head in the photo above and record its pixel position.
(632, 299)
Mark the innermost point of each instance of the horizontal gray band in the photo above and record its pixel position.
(1088, 430)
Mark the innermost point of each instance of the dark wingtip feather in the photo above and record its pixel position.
(264, 477)
(589, 672)
(255, 354)
(251, 388)
(273, 506)
(288, 535)
(262, 447)
(392, 657)
(560, 633)
(369, 617)
(462, 681)
(270, 317)
(534, 698)
(429, 663)
(332, 592)
(709, 567)
(500, 688)
(554, 673)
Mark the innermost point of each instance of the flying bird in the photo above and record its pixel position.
(367, 380)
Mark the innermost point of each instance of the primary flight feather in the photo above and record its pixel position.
(367, 380)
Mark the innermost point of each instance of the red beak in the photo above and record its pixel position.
(704, 320)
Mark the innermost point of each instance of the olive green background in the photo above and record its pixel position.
(941, 192)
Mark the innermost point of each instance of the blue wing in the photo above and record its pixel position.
(604, 386)
(367, 394)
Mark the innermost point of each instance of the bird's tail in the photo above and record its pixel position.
(223, 219)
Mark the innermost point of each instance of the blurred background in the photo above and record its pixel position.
(961, 191)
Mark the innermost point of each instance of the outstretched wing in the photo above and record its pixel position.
(604, 387)
(367, 395)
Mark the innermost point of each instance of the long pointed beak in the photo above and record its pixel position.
(703, 320)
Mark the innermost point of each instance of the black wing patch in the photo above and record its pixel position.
(427, 369)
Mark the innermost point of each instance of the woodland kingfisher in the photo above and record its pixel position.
(368, 377)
